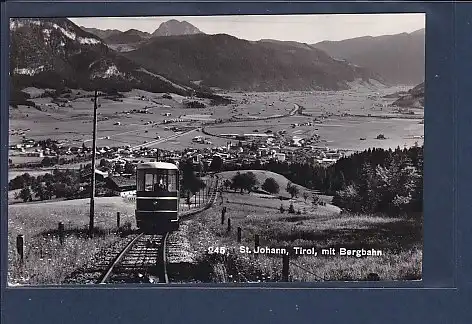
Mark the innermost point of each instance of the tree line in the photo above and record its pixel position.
(59, 184)
(375, 180)
(68, 184)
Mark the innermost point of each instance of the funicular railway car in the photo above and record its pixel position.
(157, 196)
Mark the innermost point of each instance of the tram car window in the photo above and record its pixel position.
(157, 196)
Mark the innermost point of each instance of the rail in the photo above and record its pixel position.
(136, 255)
(118, 259)
(161, 261)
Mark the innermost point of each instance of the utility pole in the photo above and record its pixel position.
(94, 148)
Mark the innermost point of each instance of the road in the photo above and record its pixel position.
(162, 140)
(294, 111)
(122, 133)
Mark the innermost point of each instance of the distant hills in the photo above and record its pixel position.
(227, 62)
(56, 53)
(102, 34)
(414, 98)
(399, 58)
(128, 37)
(131, 39)
(177, 57)
(169, 28)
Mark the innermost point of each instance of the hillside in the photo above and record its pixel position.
(127, 37)
(282, 181)
(101, 33)
(55, 53)
(399, 58)
(227, 62)
(413, 99)
(175, 28)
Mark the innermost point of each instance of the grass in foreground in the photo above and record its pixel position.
(46, 260)
(399, 239)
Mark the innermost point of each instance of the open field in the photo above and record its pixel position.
(73, 123)
(398, 239)
(46, 260)
(337, 132)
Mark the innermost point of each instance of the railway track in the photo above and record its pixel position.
(144, 258)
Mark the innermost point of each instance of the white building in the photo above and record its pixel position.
(280, 157)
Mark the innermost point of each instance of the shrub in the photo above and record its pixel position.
(270, 185)
(291, 209)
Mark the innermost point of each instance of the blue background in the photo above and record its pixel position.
(444, 295)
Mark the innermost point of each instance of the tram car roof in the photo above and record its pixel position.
(157, 165)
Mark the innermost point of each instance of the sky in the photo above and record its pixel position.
(302, 28)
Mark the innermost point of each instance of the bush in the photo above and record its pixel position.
(216, 164)
(271, 186)
(291, 209)
(125, 228)
(244, 181)
(195, 104)
(21, 182)
(25, 194)
(292, 190)
(47, 161)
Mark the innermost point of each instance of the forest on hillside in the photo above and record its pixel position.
(373, 181)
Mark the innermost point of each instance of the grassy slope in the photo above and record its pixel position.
(262, 175)
(46, 260)
(400, 240)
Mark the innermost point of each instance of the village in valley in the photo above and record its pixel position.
(287, 135)
(327, 154)
(119, 162)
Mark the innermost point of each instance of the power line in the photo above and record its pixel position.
(94, 148)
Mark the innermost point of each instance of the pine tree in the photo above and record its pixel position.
(367, 188)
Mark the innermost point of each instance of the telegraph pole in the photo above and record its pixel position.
(94, 148)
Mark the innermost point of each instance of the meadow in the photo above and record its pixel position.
(46, 260)
(73, 123)
(318, 226)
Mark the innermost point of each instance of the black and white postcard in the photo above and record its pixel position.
(216, 149)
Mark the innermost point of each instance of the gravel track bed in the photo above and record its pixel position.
(91, 272)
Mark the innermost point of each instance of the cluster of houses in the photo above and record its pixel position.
(241, 150)
(27, 148)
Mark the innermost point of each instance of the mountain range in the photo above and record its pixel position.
(224, 61)
(171, 27)
(399, 59)
(102, 34)
(178, 57)
(128, 37)
(55, 53)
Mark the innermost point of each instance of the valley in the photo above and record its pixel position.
(142, 118)
(313, 147)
